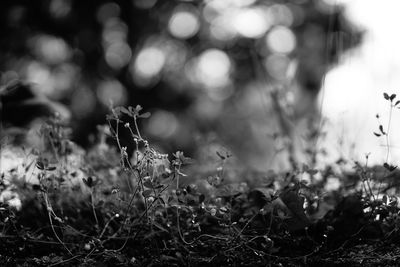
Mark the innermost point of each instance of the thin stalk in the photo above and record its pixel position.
(93, 208)
(387, 133)
(49, 209)
(137, 127)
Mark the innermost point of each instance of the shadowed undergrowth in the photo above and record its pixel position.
(116, 205)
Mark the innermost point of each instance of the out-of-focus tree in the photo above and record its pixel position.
(207, 65)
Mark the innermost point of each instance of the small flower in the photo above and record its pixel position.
(213, 211)
(123, 151)
(115, 190)
(126, 125)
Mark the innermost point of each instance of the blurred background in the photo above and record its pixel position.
(274, 81)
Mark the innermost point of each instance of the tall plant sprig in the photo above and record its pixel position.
(115, 115)
(144, 166)
(44, 168)
(385, 132)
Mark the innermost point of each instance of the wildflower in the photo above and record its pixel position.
(213, 211)
(123, 151)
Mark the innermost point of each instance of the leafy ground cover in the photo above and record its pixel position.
(133, 206)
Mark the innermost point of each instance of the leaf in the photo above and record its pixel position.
(40, 165)
(181, 173)
(389, 167)
(147, 193)
(69, 231)
(385, 199)
(36, 187)
(56, 259)
(138, 108)
(381, 129)
(393, 96)
(88, 182)
(214, 180)
(159, 226)
(191, 189)
(145, 115)
(161, 200)
(167, 259)
(259, 197)
(117, 110)
(52, 168)
(386, 165)
(305, 167)
(229, 190)
(124, 110)
(397, 102)
(220, 155)
(158, 186)
(386, 96)
(377, 134)
(223, 210)
(312, 171)
(294, 203)
(202, 198)
(109, 117)
(181, 158)
(148, 184)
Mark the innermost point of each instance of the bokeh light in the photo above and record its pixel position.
(8, 76)
(281, 40)
(280, 15)
(63, 79)
(144, 4)
(147, 65)
(83, 102)
(206, 108)
(277, 66)
(298, 14)
(39, 74)
(118, 55)
(60, 8)
(107, 11)
(50, 49)
(111, 91)
(16, 15)
(162, 124)
(189, 55)
(221, 28)
(184, 22)
(114, 31)
(213, 68)
(251, 22)
(176, 53)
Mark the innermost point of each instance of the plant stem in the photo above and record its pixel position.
(137, 127)
(93, 208)
(49, 209)
(387, 133)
